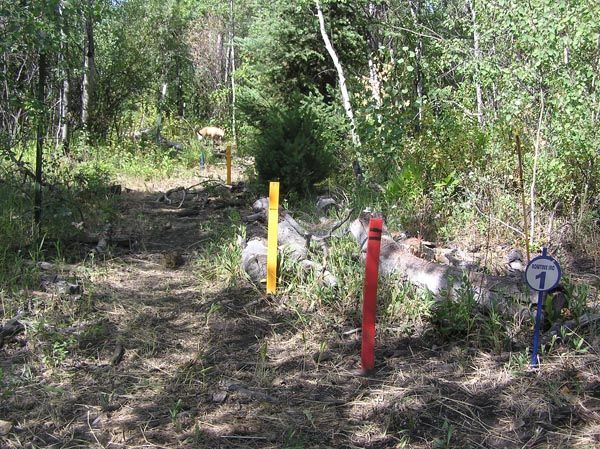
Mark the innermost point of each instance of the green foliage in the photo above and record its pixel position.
(455, 315)
(175, 409)
(402, 305)
(291, 147)
(56, 347)
(406, 186)
(286, 52)
(222, 258)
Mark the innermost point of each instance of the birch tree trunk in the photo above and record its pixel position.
(415, 10)
(88, 69)
(477, 51)
(41, 126)
(374, 81)
(232, 50)
(222, 64)
(63, 124)
(160, 106)
(536, 156)
(340, 73)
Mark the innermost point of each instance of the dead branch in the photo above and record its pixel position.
(292, 238)
(562, 329)
(164, 197)
(508, 295)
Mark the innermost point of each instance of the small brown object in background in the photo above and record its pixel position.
(173, 259)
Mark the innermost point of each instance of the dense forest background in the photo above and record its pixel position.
(437, 93)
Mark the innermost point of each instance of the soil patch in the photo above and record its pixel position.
(163, 360)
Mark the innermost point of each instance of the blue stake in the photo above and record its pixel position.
(542, 274)
(201, 160)
(536, 332)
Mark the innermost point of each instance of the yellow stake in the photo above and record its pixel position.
(272, 237)
(228, 160)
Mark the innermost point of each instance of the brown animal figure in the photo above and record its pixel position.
(212, 132)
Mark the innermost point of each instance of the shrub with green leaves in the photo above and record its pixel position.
(291, 147)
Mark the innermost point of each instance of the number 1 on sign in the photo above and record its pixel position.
(542, 277)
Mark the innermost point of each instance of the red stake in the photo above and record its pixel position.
(370, 294)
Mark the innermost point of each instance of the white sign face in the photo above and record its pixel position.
(542, 273)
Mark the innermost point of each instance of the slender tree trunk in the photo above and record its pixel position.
(595, 105)
(160, 106)
(232, 46)
(64, 112)
(41, 118)
(88, 69)
(477, 51)
(227, 61)
(63, 128)
(222, 67)
(180, 105)
(374, 80)
(415, 10)
(536, 156)
(341, 77)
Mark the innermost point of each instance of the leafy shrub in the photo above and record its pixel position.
(291, 147)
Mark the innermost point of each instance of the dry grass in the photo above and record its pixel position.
(208, 364)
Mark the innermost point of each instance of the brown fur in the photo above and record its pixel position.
(212, 132)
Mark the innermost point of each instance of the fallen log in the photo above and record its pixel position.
(293, 240)
(508, 295)
(565, 329)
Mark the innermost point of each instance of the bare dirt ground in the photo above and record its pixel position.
(213, 366)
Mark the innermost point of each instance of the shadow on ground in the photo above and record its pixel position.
(228, 367)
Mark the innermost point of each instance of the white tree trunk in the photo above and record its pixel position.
(88, 69)
(477, 51)
(161, 101)
(341, 77)
(375, 84)
(536, 156)
(222, 64)
(232, 46)
(415, 8)
(63, 124)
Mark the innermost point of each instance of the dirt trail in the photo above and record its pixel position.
(227, 367)
(204, 368)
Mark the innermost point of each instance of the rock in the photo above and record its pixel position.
(261, 204)
(45, 266)
(11, 329)
(515, 255)
(5, 427)
(254, 259)
(324, 204)
(515, 259)
(219, 397)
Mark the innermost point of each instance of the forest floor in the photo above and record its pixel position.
(221, 365)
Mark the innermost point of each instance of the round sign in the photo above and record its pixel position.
(542, 273)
